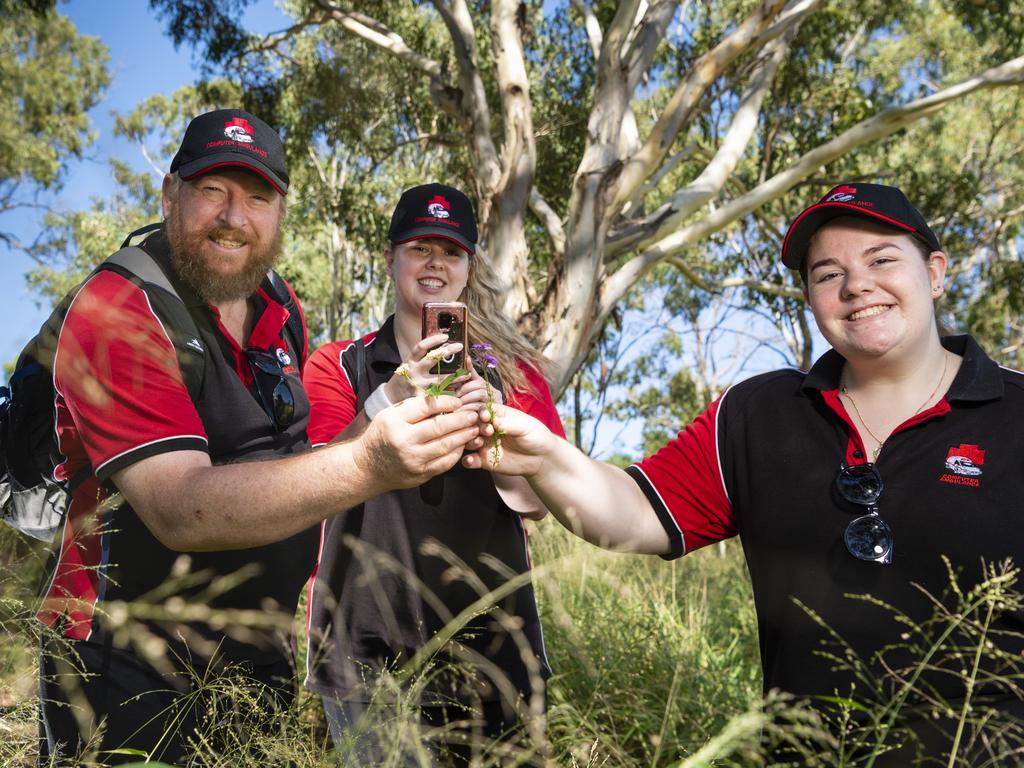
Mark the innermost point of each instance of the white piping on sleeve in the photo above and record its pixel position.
(718, 446)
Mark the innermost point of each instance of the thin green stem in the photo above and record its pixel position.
(971, 680)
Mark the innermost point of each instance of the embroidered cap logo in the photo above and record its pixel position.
(438, 207)
(841, 194)
(239, 129)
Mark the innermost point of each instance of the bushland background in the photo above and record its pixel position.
(634, 164)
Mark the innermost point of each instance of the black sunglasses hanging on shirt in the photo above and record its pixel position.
(280, 405)
(867, 537)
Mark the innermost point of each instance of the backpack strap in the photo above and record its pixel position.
(295, 327)
(141, 268)
(136, 261)
(138, 233)
(360, 365)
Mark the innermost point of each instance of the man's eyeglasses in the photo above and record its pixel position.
(280, 406)
(867, 537)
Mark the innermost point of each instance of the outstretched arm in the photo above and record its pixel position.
(191, 505)
(596, 501)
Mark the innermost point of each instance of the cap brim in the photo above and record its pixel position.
(208, 163)
(444, 234)
(798, 238)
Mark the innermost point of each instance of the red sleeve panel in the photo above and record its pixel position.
(536, 400)
(121, 397)
(684, 483)
(332, 399)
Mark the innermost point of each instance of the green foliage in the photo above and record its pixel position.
(898, 697)
(213, 22)
(651, 659)
(656, 664)
(52, 77)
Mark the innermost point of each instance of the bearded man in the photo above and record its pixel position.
(188, 542)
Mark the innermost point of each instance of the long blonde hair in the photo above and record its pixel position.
(489, 324)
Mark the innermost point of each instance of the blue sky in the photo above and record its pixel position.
(143, 62)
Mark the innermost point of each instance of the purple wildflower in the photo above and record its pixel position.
(480, 347)
(490, 361)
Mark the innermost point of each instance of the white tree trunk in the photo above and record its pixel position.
(599, 255)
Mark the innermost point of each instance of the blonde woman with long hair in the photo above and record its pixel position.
(395, 571)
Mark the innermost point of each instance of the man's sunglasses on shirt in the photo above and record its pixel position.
(280, 405)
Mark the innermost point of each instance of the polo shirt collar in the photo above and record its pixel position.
(383, 354)
(979, 378)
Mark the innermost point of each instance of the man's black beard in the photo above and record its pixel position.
(192, 267)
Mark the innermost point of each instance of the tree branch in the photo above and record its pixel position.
(552, 223)
(663, 170)
(715, 174)
(647, 36)
(473, 109)
(378, 34)
(761, 286)
(518, 152)
(591, 25)
(273, 41)
(885, 123)
(687, 96)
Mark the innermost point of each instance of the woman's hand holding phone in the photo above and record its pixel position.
(422, 369)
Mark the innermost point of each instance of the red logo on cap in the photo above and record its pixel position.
(439, 207)
(841, 195)
(238, 129)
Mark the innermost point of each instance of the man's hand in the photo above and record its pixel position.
(416, 439)
(525, 443)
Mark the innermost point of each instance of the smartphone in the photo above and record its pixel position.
(451, 317)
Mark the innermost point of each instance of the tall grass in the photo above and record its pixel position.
(651, 659)
(656, 664)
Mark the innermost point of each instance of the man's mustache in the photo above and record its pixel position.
(226, 233)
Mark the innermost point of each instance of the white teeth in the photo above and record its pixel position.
(428, 283)
(229, 243)
(869, 312)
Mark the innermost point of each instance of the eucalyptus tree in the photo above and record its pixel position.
(603, 140)
(52, 76)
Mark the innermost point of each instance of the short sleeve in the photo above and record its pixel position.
(535, 399)
(684, 483)
(332, 398)
(120, 394)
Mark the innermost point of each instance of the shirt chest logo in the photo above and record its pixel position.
(963, 465)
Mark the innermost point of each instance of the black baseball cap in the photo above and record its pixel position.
(887, 205)
(227, 137)
(434, 210)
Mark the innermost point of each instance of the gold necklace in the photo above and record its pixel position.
(874, 454)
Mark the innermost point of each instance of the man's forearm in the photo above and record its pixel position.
(249, 504)
(190, 505)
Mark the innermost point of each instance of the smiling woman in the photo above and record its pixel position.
(782, 459)
(872, 290)
(458, 538)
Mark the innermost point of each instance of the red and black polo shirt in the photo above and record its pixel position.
(761, 462)
(120, 398)
(394, 571)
